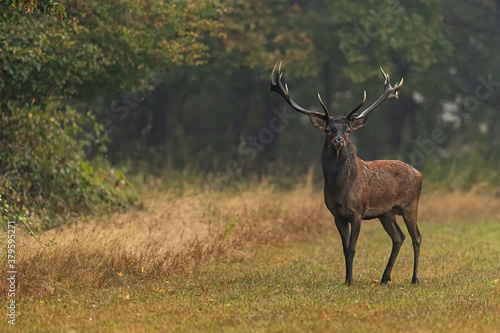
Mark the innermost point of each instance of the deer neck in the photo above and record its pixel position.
(339, 167)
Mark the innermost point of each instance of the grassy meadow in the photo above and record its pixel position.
(258, 260)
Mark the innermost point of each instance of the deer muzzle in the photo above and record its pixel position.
(338, 143)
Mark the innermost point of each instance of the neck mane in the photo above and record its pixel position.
(338, 169)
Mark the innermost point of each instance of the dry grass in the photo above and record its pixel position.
(173, 234)
(448, 207)
(176, 235)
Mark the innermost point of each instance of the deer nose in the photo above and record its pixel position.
(338, 142)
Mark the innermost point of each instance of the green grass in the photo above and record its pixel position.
(298, 286)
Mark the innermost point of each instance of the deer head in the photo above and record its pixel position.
(336, 129)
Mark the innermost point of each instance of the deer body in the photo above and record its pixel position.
(357, 190)
(354, 187)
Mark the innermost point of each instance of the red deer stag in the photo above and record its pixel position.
(356, 190)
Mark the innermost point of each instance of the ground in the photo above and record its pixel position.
(258, 260)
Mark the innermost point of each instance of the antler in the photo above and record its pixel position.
(350, 114)
(390, 92)
(277, 86)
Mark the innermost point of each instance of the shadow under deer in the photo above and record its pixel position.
(357, 190)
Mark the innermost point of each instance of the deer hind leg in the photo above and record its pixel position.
(391, 227)
(410, 217)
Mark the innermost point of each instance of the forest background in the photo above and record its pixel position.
(93, 93)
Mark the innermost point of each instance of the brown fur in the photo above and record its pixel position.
(357, 190)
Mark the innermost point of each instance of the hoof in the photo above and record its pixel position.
(385, 279)
(414, 280)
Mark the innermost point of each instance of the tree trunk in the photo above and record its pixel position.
(401, 117)
(158, 131)
(401, 120)
(327, 79)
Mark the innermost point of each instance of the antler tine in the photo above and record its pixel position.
(350, 114)
(384, 74)
(272, 78)
(398, 85)
(389, 92)
(278, 87)
(323, 106)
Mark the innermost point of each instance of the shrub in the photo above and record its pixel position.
(43, 167)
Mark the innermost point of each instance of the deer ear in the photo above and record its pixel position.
(358, 123)
(318, 122)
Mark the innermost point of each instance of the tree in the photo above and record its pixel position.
(39, 7)
(98, 51)
(100, 46)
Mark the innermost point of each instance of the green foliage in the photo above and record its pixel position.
(43, 168)
(14, 214)
(202, 69)
(110, 45)
(35, 7)
(257, 33)
(309, 37)
(43, 61)
(470, 169)
(101, 49)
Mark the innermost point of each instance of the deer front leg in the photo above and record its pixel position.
(348, 243)
(343, 228)
(351, 249)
